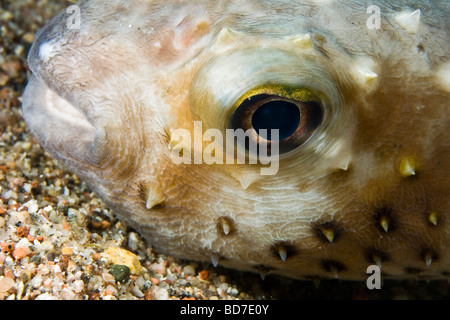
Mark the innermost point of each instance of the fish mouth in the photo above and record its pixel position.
(38, 97)
(58, 124)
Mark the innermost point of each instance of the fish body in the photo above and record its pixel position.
(137, 97)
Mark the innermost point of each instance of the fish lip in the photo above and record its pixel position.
(51, 102)
(59, 125)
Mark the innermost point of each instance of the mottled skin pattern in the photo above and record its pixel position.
(370, 186)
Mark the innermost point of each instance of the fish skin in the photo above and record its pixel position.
(369, 187)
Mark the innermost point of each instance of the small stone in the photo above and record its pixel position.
(22, 231)
(135, 242)
(9, 273)
(189, 270)
(234, 292)
(32, 205)
(121, 273)
(158, 293)
(27, 187)
(121, 256)
(10, 194)
(20, 253)
(67, 294)
(134, 290)
(7, 247)
(21, 218)
(28, 37)
(111, 291)
(12, 68)
(158, 268)
(204, 275)
(6, 284)
(3, 79)
(46, 296)
(66, 251)
(6, 16)
(107, 277)
(222, 278)
(78, 286)
(48, 282)
(23, 243)
(20, 290)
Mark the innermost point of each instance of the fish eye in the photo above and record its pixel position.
(295, 120)
(251, 92)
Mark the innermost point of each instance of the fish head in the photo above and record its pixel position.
(301, 138)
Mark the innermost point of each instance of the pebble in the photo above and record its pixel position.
(108, 278)
(189, 270)
(66, 251)
(135, 242)
(7, 247)
(46, 296)
(36, 281)
(12, 68)
(22, 231)
(32, 205)
(68, 294)
(2, 222)
(20, 218)
(116, 255)
(6, 284)
(20, 289)
(136, 292)
(204, 275)
(158, 293)
(28, 37)
(20, 253)
(121, 273)
(111, 291)
(158, 268)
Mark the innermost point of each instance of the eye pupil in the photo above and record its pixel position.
(295, 120)
(278, 114)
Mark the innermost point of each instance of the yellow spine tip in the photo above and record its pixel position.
(384, 223)
(304, 41)
(428, 258)
(334, 272)
(433, 219)
(407, 167)
(283, 253)
(329, 234)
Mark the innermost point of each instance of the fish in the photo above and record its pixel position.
(301, 138)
